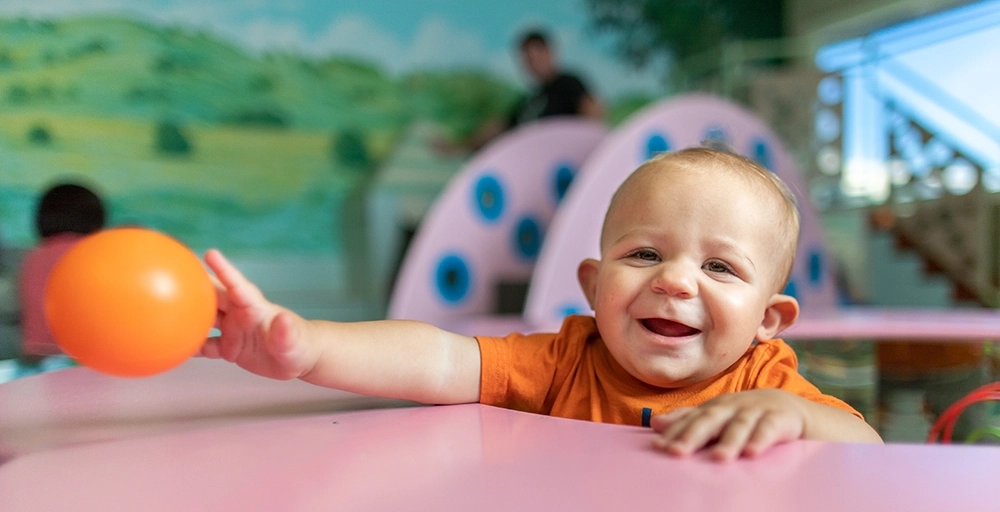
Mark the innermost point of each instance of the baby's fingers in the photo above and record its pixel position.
(693, 432)
(211, 349)
(773, 428)
(241, 292)
(221, 295)
(736, 435)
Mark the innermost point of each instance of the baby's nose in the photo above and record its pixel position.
(675, 278)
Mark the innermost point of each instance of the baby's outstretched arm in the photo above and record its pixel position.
(259, 336)
(392, 358)
(750, 422)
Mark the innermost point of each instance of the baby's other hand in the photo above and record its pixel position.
(256, 334)
(733, 425)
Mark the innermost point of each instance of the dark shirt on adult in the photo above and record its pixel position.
(560, 96)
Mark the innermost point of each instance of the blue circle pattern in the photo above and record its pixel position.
(563, 179)
(527, 238)
(791, 290)
(815, 267)
(762, 154)
(489, 198)
(656, 144)
(453, 278)
(569, 309)
(717, 134)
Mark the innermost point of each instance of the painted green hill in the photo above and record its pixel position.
(188, 133)
(122, 67)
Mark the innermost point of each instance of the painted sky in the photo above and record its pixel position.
(401, 35)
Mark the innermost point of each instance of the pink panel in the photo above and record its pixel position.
(671, 124)
(957, 325)
(469, 240)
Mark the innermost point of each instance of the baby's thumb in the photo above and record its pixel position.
(282, 335)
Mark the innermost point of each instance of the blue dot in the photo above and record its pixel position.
(452, 278)
(717, 135)
(791, 290)
(762, 154)
(569, 309)
(563, 179)
(527, 238)
(489, 198)
(656, 144)
(815, 267)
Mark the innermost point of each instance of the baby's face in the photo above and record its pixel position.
(689, 265)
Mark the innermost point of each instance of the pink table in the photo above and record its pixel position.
(78, 406)
(209, 437)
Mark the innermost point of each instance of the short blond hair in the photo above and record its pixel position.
(705, 158)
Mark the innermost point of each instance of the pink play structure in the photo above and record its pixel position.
(487, 227)
(574, 232)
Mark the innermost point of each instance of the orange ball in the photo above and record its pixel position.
(129, 302)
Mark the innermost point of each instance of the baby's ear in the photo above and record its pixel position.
(586, 274)
(782, 311)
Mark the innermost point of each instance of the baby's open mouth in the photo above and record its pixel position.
(668, 328)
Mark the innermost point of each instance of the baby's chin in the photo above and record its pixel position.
(671, 375)
(672, 378)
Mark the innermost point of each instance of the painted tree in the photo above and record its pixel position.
(351, 150)
(40, 135)
(677, 30)
(171, 139)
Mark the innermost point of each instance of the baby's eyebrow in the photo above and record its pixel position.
(625, 235)
(733, 249)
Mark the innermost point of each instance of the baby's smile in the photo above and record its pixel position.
(668, 328)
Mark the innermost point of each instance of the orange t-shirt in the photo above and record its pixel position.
(571, 374)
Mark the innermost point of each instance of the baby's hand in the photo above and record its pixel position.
(733, 425)
(257, 335)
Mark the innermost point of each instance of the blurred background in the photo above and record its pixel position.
(300, 137)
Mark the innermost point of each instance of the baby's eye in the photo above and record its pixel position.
(645, 255)
(717, 266)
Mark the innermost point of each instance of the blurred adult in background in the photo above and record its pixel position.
(66, 213)
(556, 92)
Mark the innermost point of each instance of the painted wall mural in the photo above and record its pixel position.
(246, 125)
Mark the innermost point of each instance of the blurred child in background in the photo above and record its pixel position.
(66, 213)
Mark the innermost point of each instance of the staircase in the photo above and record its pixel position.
(953, 239)
(897, 277)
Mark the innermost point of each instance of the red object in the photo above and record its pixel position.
(130, 302)
(945, 424)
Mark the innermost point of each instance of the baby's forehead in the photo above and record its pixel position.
(645, 188)
(668, 169)
(645, 182)
(769, 201)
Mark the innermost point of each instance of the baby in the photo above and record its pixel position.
(696, 248)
